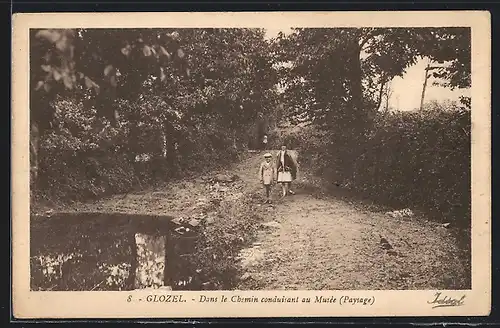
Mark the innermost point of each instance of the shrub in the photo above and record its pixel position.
(419, 160)
(83, 157)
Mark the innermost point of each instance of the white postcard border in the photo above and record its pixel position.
(29, 304)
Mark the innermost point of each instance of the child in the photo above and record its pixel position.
(264, 142)
(267, 173)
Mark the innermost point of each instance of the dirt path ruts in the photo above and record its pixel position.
(327, 243)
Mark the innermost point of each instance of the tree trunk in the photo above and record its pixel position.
(387, 96)
(381, 93)
(356, 142)
(356, 88)
(359, 114)
(424, 87)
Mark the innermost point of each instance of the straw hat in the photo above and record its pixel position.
(268, 155)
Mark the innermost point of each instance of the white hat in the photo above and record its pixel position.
(268, 155)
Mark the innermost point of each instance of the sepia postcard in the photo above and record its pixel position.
(256, 164)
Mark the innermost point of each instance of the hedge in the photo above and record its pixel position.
(418, 160)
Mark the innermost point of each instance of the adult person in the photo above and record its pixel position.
(287, 169)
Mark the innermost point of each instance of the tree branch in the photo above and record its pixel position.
(371, 34)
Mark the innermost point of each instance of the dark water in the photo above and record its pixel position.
(96, 251)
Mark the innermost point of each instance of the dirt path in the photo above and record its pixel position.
(319, 242)
(309, 240)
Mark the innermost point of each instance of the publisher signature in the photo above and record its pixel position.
(446, 301)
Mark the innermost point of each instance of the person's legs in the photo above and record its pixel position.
(268, 191)
(284, 187)
(290, 191)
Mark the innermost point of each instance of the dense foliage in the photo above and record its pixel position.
(111, 109)
(335, 79)
(114, 109)
(412, 160)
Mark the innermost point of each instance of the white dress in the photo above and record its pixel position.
(284, 177)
